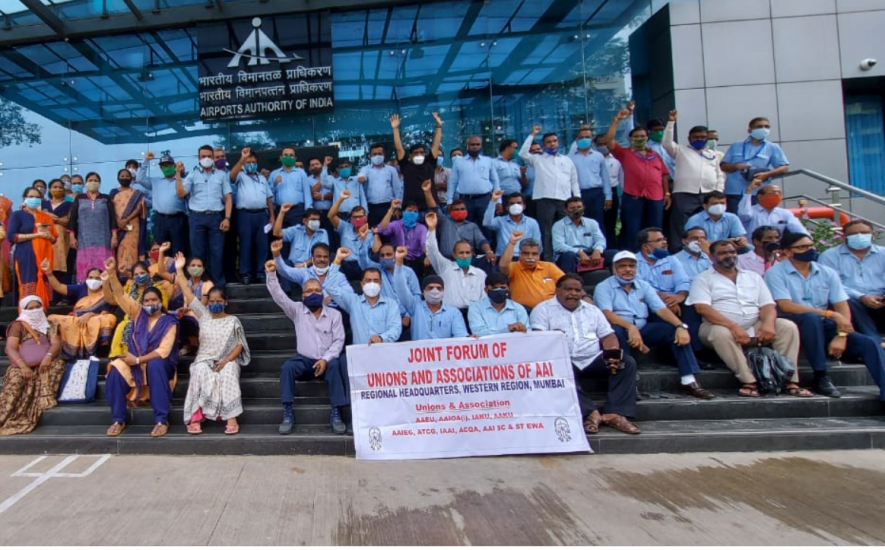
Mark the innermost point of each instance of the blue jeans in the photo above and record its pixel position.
(865, 320)
(476, 207)
(638, 213)
(253, 241)
(658, 333)
(207, 243)
(301, 368)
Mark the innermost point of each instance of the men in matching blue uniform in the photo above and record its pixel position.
(693, 256)
(386, 265)
(170, 210)
(290, 186)
(719, 225)
(254, 202)
(344, 181)
(514, 220)
(431, 318)
(353, 234)
(593, 178)
(578, 242)
(319, 269)
(496, 313)
(473, 179)
(382, 184)
(510, 176)
(753, 158)
(302, 237)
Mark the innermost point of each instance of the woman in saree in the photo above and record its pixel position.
(35, 369)
(200, 285)
(33, 233)
(135, 288)
(59, 209)
(92, 321)
(214, 389)
(148, 369)
(93, 227)
(129, 209)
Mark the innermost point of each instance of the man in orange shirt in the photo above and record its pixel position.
(531, 280)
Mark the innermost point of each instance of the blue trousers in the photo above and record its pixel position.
(159, 372)
(658, 333)
(301, 368)
(594, 205)
(172, 229)
(865, 320)
(207, 243)
(621, 397)
(638, 213)
(476, 207)
(253, 241)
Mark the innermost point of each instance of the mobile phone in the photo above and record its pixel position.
(613, 354)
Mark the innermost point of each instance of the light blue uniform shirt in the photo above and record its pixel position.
(633, 306)
(300, 275)
(351, 240)
(387, 288)
(338, 185)
(206, 191)
(382, 183)
(293, 187)
(509, 174)
(765, 156)
(753, 216)
(859, 277)
(165, 199)
(821, 289)
(472, 177)
(592, 172)
(325, 187)
(530, 176)
(728, 226)
(366, 320)
(503, 226)
(485, 320)
(252, 191)
(665, 275)
(426, 325)
(302, 243)
(691, 265)
(568, 237)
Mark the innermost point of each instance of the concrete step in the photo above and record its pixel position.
(236, 291)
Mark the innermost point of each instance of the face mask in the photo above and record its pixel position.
(660, 253)
(378, 160)
(313, 225)
(207, 162)
(440, 161)
(124, 182)
(418, 160)
(603, 149)
(584, 143)
(150, 310)
(93, 284)
(315, 172)
(807, 256)
(459, 215)
(57, 193)
(344, 172)
(712, 143)
(216, 309)
(551, 150)
(221, 164)
(716, 209)
(313, 301)
(474, 154)
(195, 271)
(251, 168)
(498, 295)
(66, 183)
(387, 263)
(93, 186)
(638, 143)
(321, 270)
(372, 290)
(656, 135)
(168, 171)
(132, 172)
(287, 161)
(575, 213)
(759, 134)
(141, 279)
(728, 263)
(433, 296)
(42, 191)
(410, 218)
(463, 263)
(623, 282)
(155, 255)
(694, 246)
(358, 222)
(76, 189)
(769, 201)
(859, 241)
(515, 209)
(698, 144)
(33, 202)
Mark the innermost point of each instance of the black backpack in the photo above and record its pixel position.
(771, 369)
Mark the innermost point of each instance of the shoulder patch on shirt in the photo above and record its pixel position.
(667, 272)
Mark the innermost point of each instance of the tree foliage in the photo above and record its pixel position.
(14, 129)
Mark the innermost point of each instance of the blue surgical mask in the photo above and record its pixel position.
(313, 301)
(33, 202)
(699, 144)
(440, 161)
(142, 279)
(77, 188)
(410, 218)
(251, 168)
(344, 172)
(551, 150)
(623, 282)
(584, 143)
(860, 241)
(216, 309)
(760, 134)
(387, 263)
(660, 253)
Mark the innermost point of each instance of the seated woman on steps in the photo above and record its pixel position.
(135, 288)
(200, 285)
(92, 320)
(214, 389)
(148, 370)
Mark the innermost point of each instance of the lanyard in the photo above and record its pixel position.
(762, 147)
(653, 155)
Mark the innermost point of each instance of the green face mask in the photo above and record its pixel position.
(656, 135)
(288, 161)
(168, 171)
(638, 143)
(712, 144)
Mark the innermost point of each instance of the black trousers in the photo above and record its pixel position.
(621, 398)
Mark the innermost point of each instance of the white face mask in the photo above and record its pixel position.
(418, 160)
(377, 160)
(372, 290)
(433, 296)
(207, 162)
(515, 209)
(133, 172)
(93, 284)
(695, 247)
(321, 270)
(313, 224)
(716, 209)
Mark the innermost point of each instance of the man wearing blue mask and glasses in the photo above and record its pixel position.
(755, 157)
(593, 178)
(860, 265)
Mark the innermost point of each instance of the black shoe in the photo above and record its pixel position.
(350, 429)
(824, 386)
(245, 279)
(261, 279)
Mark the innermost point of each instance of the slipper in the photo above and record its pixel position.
(160, 430)
(194, 429)
(591, 424)
(231, 430)
(748, 390)
(186, 350)
(796, 391)
(621, 424)
(116, 429)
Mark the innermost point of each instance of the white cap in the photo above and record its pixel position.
(623, 255)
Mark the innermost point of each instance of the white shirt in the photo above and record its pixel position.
(555, 175)
(615, 170)
(697, 171)
(584, 328)
(739, 302)
(461, 289)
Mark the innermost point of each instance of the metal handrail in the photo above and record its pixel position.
(836, 183)
(835, 209)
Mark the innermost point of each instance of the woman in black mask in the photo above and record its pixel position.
(129, 210)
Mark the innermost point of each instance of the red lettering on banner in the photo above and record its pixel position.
(375, 379)
(543, 370)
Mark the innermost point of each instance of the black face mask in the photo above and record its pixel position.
(125, 182)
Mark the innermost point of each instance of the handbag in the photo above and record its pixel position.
(79, 382)
(771, 369)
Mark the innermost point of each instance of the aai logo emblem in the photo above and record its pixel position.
(256, 46)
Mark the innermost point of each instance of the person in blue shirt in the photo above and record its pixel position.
(628, 303)
(755, 157)
(209, 200)
(302, 237)
(719, 225)
(342, 181)
(593, 177)
(374, 318)
(254, 211)
(694, 254)
(431, 318)
(382, 184)
(768, 211)
(656, 129)
(812, 296)
(514, 220)
(290, 185)
(496, 313)
(578, 242)
(353, 234)
(530, 209)
(320, 269)
(510, 176)
(386, 264)
(861, 268)
(170, 211)
(473, 179)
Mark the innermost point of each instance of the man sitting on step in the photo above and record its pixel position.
(319, 268)
(737, 308)
(320, 341)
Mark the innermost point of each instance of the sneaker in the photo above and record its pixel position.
(288, 423)
(338, 426)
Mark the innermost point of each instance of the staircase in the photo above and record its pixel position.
(670, 422)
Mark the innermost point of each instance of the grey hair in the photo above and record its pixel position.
(529, 242)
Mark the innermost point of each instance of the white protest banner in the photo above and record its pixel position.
(504, 394)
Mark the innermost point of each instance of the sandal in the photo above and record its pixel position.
(591, 424)
(749, 390)
(116, 429)
(186, 350)
(194, 428)
(795, 390)
(232, 430)
(621, 424)
(160, 430)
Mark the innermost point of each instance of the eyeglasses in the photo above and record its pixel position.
(661, 240)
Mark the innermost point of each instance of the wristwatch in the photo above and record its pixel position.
(683, 325)
(842, 335)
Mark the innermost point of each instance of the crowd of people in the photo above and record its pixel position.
(685, 249)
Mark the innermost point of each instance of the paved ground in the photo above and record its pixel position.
(779, 499)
